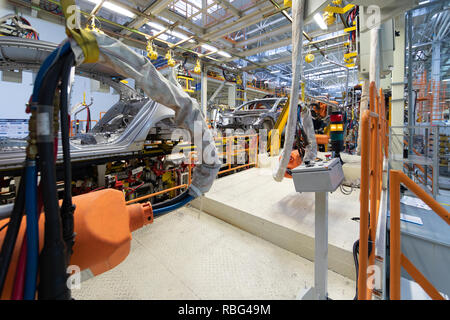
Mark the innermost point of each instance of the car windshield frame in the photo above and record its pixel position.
(271, 101)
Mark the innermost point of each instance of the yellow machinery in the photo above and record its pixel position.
(151, 52)
(279, 125)
(240, 94)
(185, 83)
(198, 67)
(309, 58)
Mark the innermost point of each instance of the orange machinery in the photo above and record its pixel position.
(103, 226)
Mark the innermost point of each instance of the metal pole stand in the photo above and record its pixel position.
(319, 291)
(320, 178)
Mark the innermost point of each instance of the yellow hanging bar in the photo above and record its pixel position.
(83, 37)
(350, 55)
(339, 10)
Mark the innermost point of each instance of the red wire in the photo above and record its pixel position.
(19, 280)
(134, 189)
(97, 189)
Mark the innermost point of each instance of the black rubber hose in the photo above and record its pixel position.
(355, 258)
(52, 267)
(171, 201)
(14, 223)
(67, 208)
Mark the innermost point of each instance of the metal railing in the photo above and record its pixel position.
(374, 150)
(397, 259)
(148, 196)
(423, 156)
(250, 152)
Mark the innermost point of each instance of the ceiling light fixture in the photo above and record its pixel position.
(224, 54)
(115, 8)
(160, 28)
(319, 20)
(209, 48)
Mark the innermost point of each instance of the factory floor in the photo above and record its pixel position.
(188, 254)
(253, 201)
(256, 192)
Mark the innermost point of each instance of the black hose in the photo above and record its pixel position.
(171, 201)
(53, 265)
(67, 208)
(355, 258)
(9, 241)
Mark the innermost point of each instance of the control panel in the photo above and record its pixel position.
(323, 176)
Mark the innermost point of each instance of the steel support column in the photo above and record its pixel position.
(397, 111)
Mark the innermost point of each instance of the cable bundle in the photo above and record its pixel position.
(50, 93)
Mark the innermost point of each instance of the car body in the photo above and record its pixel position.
(122, 131)
(255, 114)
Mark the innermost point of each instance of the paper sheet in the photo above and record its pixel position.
(415, 202)
(411, 219)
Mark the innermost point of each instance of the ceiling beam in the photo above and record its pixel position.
(245, 21)
(226, 4)
(283, 43)
(97, 8)
(150, 14)
(286, 59)
(269, 46)
(159, 6)
(264, 36)
(194, 28)
(258, 15)
(264, 64)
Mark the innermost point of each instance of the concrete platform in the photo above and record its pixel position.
(254, 202)
(188, 254)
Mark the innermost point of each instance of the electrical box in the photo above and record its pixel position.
(12, 76)
(386, 42)
(97, 86)
(318, 176)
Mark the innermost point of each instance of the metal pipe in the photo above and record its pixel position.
(420, 279)
(97, 8)
(395, 246)
(444, 27)
(156, 194)
(364, 207)
(410, 82)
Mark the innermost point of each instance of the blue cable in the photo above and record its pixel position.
(31, 269)
(172, 207)
(48, 62)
